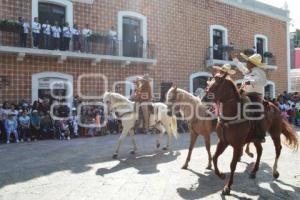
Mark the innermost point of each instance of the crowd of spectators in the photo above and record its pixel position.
(24, 122)
(289, 104)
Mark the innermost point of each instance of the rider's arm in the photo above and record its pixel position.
(240, 66)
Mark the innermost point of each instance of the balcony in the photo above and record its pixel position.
(101, 49)
(222, 56)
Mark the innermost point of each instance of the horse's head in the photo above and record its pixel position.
(171, 99)
(221, 88)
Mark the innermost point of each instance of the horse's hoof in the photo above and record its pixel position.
(209, 167)
(115, 156)
(132, 152)
(252, 176)
(157, 145)
(226, 191)
(165, 149)
(184, 167)
(221, 176)
(276, 175)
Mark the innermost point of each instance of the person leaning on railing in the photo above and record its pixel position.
(56, 30)
(87, 33)
(23, 32)
(36, 30)
(46, 29)
(76, 38)
(67, 35)
(113, 40)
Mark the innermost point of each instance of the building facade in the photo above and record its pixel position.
(180, 42)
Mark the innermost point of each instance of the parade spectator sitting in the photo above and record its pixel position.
(25, 131)
(35, 122)
(285, 115)
(36, 29)
(64, 130)
(47, 127)
(11, 127)
(292, 115)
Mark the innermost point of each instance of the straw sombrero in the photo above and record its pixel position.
(225, 68)
(254, 59)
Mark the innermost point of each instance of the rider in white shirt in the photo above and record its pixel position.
(253, 85)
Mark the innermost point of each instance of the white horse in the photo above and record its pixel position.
(128, 113)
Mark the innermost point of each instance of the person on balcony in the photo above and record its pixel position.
(67, 35)
(76, 38)
(46, 29)
(24, 31)
(36, 30)
(56, 30)
(113, 41)
(87, 33)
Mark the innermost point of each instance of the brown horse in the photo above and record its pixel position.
(196, 115)
(239, 132)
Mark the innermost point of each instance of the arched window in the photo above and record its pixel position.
(132, 31)
(198, 82)
(53, 10)
(218, 39)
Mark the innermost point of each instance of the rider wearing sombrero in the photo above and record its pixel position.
(143, 96)
(253, 85)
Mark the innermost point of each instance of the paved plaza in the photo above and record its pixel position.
(84, 169)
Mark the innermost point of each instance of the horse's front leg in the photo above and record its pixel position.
(256, 167)
(235, 159)
(194, 137)
(248, 151)
(207, 146)
(121, 139)
(220, 149)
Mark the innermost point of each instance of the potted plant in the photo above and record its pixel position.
(9, 25)
(268, 55)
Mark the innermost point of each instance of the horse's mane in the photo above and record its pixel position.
(234, 87)
(118, 97)
(189, 96)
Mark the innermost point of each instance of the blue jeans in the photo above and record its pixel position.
(36, 38)
(10, 132)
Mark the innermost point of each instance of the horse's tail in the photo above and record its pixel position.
(173, 126)
(290, 135)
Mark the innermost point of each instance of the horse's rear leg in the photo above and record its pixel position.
(235, 159)
(248, 150)
(256, 167)
(192, 144)
(207, 146)
(133, 141)
(220, 149)
(275, 135)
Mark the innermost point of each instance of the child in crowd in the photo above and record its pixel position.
(11, 127)
(35, 122)
(25, 131)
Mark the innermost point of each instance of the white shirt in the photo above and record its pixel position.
(67, 32)
(257, 78)
(112, 34)
(47, 29)
(56, 31)
(86, 32)
(26, 27)
(36, 27)
(75, 31)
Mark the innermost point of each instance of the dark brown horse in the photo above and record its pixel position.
(238, 132)
(195, 113)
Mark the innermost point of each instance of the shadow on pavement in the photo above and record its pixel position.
(143, 164)
(209, 183)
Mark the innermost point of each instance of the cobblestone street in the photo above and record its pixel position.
(84, 169)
